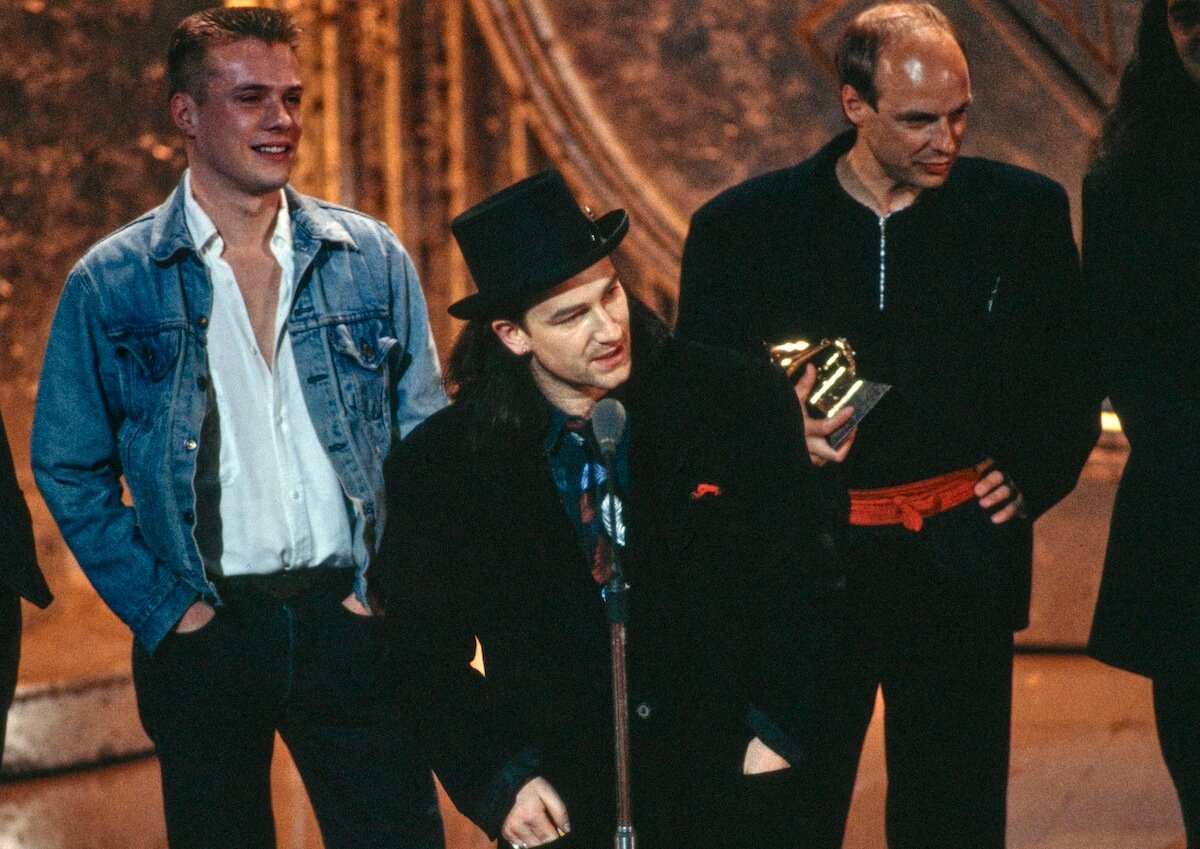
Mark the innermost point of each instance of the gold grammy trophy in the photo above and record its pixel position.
(837, 385)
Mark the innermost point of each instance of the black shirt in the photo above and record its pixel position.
(979, 284)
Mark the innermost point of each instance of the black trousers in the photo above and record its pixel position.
(946, 679)
(1177, 714)
(212, 700)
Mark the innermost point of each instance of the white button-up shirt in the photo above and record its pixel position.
(267, 497)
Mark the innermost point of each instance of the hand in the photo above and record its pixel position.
(538, 816)
(818, 431)
(355, 606)
(761, 758)
(195, 617)
(997, 490)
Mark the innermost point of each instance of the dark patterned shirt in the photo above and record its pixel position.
(581, 479)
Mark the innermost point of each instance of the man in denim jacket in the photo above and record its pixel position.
(246, 357)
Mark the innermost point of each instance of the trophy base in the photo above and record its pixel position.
(862, 398)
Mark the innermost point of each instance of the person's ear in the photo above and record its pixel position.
(183, 113)
(512, 336)
(855, 107)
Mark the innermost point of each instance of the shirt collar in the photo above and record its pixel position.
(559, 423)
(204, 233)
(556, 429)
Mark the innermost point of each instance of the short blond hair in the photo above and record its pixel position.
(200, 32)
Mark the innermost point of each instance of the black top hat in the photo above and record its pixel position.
(527, 239)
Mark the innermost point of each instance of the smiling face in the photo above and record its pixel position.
(1183, 21)
(911, 139)
(577, 337)
(242, 138)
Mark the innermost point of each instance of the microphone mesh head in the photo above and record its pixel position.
(608, 423)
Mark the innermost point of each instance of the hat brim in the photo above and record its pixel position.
(610, 230)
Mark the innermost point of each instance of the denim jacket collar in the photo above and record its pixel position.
(310, 227)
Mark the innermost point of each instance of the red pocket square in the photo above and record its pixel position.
(704, 490)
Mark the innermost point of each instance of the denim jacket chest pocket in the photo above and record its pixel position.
(145, 362)
(365, 365)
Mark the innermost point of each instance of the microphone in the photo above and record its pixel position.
(608, 423)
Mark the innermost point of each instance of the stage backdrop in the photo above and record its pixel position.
(654, 105)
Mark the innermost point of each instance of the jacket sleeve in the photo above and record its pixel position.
(793, 578)
(78, 470)
(1045, 365)
(419, 391)
(427, 575)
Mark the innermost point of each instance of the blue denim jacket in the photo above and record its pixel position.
(125, 389)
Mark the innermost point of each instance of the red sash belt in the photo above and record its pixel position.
(911, 504)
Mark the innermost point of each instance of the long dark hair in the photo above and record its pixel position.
(1153, 127)
(497, 386)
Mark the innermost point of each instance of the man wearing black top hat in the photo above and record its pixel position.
(494, 535)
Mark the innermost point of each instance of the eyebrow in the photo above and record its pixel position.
(917, 115)
(264, 87)
(562, 312)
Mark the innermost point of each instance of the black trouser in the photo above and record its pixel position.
(947, 692)
(212, 700)
(10, 652)
(1177, 714)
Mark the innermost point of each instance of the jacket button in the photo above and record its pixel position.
(202, 321)
(201, 383)
(642, 710)
(368, 352)
(188, 517)
(189, 444)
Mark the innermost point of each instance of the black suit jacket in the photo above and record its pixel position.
(976, 337)
(18, 560)
(1141, 259)
(479, 546)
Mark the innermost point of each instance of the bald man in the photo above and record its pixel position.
(955, 280)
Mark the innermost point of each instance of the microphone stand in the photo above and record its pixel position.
(615, 593)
